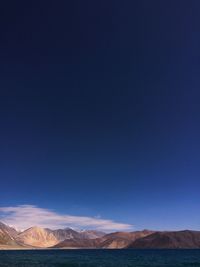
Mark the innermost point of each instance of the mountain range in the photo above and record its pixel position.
(169, 240)
(37, 237)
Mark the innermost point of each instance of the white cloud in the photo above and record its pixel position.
(24, 216)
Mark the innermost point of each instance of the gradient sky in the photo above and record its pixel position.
(99, 109)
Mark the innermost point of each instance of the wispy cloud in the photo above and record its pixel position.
(25, 216)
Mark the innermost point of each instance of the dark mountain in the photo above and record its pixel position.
(169, 240)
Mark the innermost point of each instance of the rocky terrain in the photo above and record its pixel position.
(37, 237)
(43, 238)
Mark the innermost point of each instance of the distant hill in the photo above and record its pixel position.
(168, 240)
(68, 233)
(121, 239)
(62, 234)
(91, 234)
(113, 240)
(77, 243)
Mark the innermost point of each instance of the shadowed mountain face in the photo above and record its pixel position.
(122, 239)
(62, 234)
(7, 229)
(169, 240)
(78, 243)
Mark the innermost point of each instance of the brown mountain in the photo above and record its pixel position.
(169, 240)
(68, 238)
(121, 239)
(37, 237)
(113, 240)
(40, 237)
(78, 243)
(9, 230)
(7, 236)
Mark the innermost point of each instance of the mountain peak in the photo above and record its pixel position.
(38, 237)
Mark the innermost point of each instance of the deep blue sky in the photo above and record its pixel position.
(99, 109)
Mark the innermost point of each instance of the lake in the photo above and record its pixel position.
(100, 258)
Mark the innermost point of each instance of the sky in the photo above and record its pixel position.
(100, 114)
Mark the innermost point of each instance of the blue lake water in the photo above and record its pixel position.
(100, 258)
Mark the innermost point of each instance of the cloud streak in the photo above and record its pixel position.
(25, 216)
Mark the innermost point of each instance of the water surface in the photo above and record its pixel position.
(100, 258)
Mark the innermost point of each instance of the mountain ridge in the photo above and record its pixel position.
(184, 239)
(38, 237)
